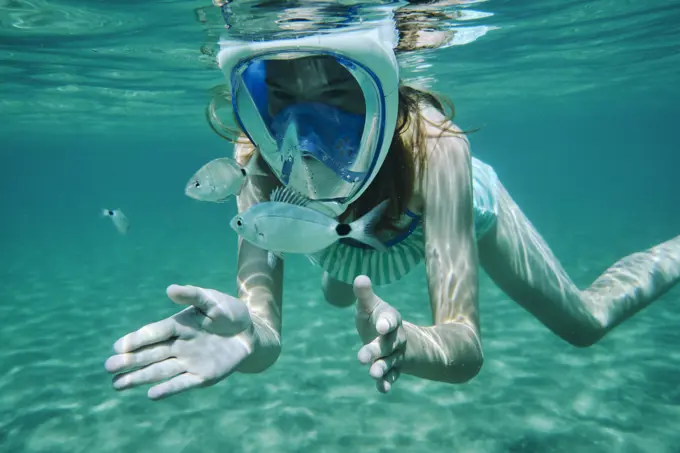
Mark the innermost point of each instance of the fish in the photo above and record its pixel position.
(286, 224)
(220, 179)
(120, 220)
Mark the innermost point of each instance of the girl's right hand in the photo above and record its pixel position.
(197, 347)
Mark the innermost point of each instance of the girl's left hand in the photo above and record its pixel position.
(380, 329)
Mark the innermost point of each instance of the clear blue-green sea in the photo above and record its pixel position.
(102, 106)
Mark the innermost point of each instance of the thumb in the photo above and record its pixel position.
(191, 295)
(224, 314)
(367, 301)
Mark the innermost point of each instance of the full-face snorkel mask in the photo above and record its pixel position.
(327, 151)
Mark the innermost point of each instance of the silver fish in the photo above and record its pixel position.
(120, 220)
(219, 179)
(287, 225)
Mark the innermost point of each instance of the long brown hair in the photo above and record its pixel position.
(405, 161)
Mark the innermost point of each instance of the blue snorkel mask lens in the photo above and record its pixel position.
(312, 143)
(322, 132)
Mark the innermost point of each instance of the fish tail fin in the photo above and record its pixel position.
(314, 258)
(363, 229)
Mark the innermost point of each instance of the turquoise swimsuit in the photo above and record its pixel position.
(346, 260)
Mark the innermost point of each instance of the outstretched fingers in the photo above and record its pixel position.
(139, 358)
(150, 374)
(147, 335)
(178, 384)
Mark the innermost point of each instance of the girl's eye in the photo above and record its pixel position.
(335, 94)
(282, 95)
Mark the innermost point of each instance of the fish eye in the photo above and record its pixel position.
(239, 223)
(243, 171)
(197, 184)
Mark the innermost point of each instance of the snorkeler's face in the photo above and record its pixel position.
(315, 79)
(312, 79)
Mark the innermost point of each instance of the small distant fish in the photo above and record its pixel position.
(219, 179)
(287, 225)
(120, 221)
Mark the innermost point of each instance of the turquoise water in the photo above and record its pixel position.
(101, 106)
